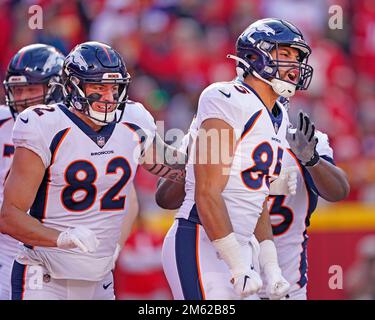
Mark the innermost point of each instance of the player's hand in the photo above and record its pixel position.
(277, 285)
(303, 141)
(80, 237)
(286, 183)
(247, 283)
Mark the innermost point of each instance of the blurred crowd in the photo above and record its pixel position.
(360, 281)
(174, 48)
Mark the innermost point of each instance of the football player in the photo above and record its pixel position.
(290, 214)
(73, 169)
(210, 251)
(318, 176)
(30, 79)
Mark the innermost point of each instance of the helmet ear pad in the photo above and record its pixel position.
(261, 64)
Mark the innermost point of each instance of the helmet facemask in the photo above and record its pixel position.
(267, 69)
(51, 93)
(78, 98)
(283, 87)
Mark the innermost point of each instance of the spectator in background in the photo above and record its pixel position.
(139, 274)
(360, 284)
(175, 48)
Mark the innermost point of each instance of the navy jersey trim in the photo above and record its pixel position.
(186, 260)
(140, 132)
(329, 159)
(38, 208)
(250, 123)
(313, 201)
(3, 121)
(303, 265)
(100, 138)
(8, 150)
(276, 121)
(193, 215)
(18, 281)
(312, 194)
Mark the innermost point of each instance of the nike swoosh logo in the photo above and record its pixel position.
(106, 286)
(225, 94)
(24, 120)
(244, 283)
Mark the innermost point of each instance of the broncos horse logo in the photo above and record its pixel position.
(260, 28)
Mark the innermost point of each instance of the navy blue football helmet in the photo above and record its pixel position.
(253, 55)
(95, 63)
(34, 64)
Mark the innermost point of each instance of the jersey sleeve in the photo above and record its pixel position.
(184, 143)
(27, 133)
(189, 137)
(214, 104)
(137, 115)
(323, 147)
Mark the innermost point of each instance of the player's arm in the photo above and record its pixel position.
(20, 189)
(164, 161)
(277, 286)
(211, 172)
(330, 180)
(128, 222)
(213, 161)
(263, 229)
(131, 216)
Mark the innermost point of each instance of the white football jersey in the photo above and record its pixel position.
(260, 146)
(86, 183)
(8, 245)
(290, 216)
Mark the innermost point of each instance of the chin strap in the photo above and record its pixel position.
(282, 88)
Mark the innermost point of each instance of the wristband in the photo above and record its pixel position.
(229, 250)
(313, 161)
(268, 256)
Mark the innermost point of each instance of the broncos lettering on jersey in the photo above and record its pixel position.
(86, 182)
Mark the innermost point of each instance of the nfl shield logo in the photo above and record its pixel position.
(100, 141)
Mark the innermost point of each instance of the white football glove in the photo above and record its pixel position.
(80, 237)
(246, 283)
(285, 183)
(277, 285)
